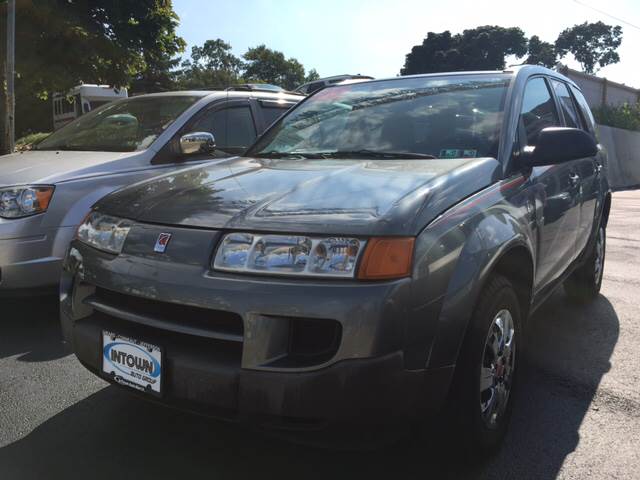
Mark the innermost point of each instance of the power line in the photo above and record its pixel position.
(607, 14)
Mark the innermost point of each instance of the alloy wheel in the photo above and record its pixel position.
(496, 373)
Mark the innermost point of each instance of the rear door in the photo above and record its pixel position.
(556, 187)
(590, 171)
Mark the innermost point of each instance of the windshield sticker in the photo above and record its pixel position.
(458, 153)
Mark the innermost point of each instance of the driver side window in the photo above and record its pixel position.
(538, 110)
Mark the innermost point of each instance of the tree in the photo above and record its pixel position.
(438, 53)
(312, 76)
(271, 66)
(541, 53)
(61, 43)
(480, 48)
(211, 66)
(592, 44)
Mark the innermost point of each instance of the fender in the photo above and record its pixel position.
(455, 255)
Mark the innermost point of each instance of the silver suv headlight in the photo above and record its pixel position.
(104, 232)
(24, 201)
(289, 255)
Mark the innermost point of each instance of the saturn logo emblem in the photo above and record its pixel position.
(162, 242)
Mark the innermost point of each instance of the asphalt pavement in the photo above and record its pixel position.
(577, 413)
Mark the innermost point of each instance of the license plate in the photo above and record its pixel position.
(131, 362)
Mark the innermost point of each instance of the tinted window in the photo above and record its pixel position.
(232, 127)
(538, 109)
(314, 87)
(569, 109)
(447, 117)
(584, 108)
(271, 114)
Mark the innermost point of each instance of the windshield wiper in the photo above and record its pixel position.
(276, 154)
(376, 154)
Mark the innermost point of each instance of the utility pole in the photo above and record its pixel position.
(11, 73)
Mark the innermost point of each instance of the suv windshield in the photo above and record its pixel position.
(124, 126)
(438, 117)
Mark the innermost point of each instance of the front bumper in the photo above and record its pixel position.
(30, 262)
(251, 373)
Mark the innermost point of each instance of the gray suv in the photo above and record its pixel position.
(46, 193)
(374, 257)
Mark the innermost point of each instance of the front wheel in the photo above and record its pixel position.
(485, 376)
(585, 282)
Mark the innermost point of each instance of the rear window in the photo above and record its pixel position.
(271, 114)
(584, 109)
(569, 109)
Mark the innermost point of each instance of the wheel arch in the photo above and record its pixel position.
(515, 261)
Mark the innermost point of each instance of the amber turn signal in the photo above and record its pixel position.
(386, 258)
(43, 195)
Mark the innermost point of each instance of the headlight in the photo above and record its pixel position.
(104, 232)
(289, 255)
(17, 202)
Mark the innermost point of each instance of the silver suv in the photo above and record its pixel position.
(46, 193)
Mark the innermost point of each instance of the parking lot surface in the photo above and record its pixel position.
(577, 416)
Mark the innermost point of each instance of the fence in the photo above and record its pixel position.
(600, 91)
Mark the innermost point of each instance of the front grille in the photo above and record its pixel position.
(184, 319)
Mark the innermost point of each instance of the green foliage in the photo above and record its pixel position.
(27, 142)
(312, 76)
(592, 44)
(213, 65)
(481, 48)
(271, 66)
(541, 53)
(91, 41)
(485, 48)
(210, 66)
(622, 116)
(61, 43)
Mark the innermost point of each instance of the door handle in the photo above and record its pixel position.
(599, 168)
(574, 179)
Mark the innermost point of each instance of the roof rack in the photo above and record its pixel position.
(250, 87)
(263, 87)
(258, 87)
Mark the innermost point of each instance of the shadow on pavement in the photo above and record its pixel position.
(113, 435)
(29, 327)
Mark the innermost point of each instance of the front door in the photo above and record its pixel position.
(556, 188)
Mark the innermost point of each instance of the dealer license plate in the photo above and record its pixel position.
(131, 362)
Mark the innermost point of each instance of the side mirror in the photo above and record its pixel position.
(558, 145)
(197, 142)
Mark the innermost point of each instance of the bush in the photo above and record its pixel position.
(28, 141)
(621, 116)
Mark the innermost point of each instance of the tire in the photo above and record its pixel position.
(482, 375)
(585, 282)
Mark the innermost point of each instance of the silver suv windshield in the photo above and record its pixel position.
(415, 117)
(124, 126)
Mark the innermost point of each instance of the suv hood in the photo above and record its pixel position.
(51, 167)
(354, 197)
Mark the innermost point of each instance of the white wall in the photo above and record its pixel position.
(623, 156)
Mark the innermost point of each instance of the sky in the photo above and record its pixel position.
(372, 37)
